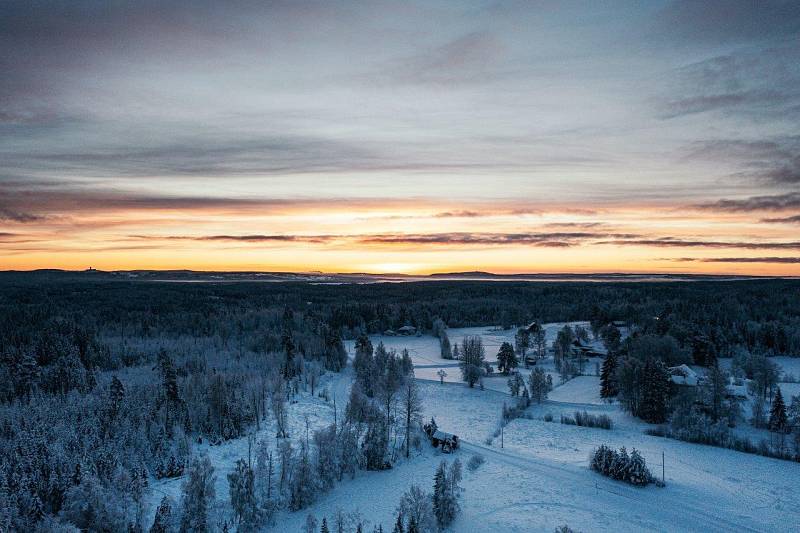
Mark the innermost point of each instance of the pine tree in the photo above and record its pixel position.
(777, 416)
(506, 358)
(116, 392)
(398, 525)
(608, 383)
(324, 527)
(163, 520)
(412, 526)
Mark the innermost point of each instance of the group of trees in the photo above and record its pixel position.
(384, 401)
(422, 512)
(538, 387)
(621, 466)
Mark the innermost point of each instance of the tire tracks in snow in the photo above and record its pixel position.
(685, 514)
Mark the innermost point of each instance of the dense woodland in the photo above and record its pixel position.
(106, 385)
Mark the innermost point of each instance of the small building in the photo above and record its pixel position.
(579, 348)
(534, 327)
(684, 376)
(407, 330)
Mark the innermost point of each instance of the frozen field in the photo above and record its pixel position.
(540, 479)
(426, 353)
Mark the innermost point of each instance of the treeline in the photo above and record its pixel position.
(711, 317)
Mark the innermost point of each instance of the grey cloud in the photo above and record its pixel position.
(777, 202)
(795, 219)
(671, 242)
(17, 216)
(557, 239)
(775, 160)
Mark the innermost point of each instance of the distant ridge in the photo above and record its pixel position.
(316, 277)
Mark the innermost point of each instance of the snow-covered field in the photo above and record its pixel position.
(540, 478)
(426, 353)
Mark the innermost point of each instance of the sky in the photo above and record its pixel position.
(415, 137)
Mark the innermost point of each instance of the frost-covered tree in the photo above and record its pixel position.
(266, 494)
(539, 385)
(364, 364)
(165, 520)
(515, 384)
(311, 524)
(472, 357)
(416, 505)
(304, 484)
(327, 457)
(410, 408)
(241, 483)
(446, 493)
(198, 496)
(506, 358)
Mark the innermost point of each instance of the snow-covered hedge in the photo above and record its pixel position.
(621, 466)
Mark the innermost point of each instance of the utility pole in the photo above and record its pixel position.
(663, 470)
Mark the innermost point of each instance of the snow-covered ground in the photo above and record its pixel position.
(540, 478)
(426, 353)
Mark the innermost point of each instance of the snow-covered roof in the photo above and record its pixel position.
(683, 375)
(441, 435)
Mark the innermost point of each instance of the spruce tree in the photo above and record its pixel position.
(654, 393)
(777, 416)
(324, 527)
(439, 481)
(608, 384)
